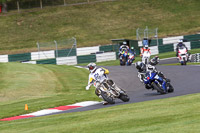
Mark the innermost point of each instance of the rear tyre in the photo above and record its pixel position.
(158, 88)
(107, 98)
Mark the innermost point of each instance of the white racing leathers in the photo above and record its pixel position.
(97, 75)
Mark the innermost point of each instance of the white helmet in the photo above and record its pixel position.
(124, 43)
(91, 67)
(146, 46)
(151, 68)
(180, 40)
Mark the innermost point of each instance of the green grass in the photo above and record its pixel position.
(40, 86)
(171, 115)
(96, 24)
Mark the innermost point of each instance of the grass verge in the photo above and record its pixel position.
(171, 115)
(40, 86)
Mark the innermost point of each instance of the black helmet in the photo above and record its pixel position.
(154, 60)
(139, 65)
(91, 67)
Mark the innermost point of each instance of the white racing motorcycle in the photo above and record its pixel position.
(183, 55)
(146, 57)
(110, 91)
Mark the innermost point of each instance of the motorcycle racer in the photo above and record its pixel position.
(97, 74)
(144, 49)
(180, 44)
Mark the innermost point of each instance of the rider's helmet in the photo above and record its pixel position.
(146, 46)
(91, 67)
(151, 68)
(124, 43)
(154, 60)
(140, 66)
(180, 41)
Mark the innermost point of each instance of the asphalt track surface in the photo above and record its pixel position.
(184, 79)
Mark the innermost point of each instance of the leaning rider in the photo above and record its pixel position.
(97, 76)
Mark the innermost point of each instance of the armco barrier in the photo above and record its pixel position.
(170, 40)
(154, 42)
(86, 58)
(87, 50)
(49, 61)
(106, 56)
(3, 58)
(65, 53)
(195, 37)
(109, 48)
(154, 50)
(195, 44)
(166, 48)
(42, 55)
(19, 57)
(72, 60)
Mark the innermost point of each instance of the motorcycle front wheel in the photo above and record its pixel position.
(158, 88)
(124, 97)
(107, 98)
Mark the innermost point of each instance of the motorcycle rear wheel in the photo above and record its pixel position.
(107, 98)
(158, 88)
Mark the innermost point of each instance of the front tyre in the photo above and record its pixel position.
(124, 97)
(107, 98)
(158, 88)
(171, 88)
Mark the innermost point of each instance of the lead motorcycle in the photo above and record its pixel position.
(183, 55)
(110, 91)
(146, 57)
(155, 81)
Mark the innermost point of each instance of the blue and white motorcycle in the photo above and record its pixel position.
(157, 82)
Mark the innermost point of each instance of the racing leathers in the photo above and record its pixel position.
(97, 77)
(178, 46)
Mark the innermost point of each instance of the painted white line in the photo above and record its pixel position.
(81, 67)
(86, 103)
(43, 112)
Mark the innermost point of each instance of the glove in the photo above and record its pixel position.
(87, 87)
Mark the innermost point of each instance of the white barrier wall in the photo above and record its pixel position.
(42, 55)
(187, 44)
(72, 60)
(140, 43)
(3, 58)
(106, 56)
(87, 50)
(154, 50)
(30, 62)
(171, 40)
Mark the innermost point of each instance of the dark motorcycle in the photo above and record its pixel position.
(157, 82)
(123, 58)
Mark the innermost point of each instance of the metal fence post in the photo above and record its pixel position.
(56, 48)
(64, 2)
(18, 5)
(38, 45)
(41, 4)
